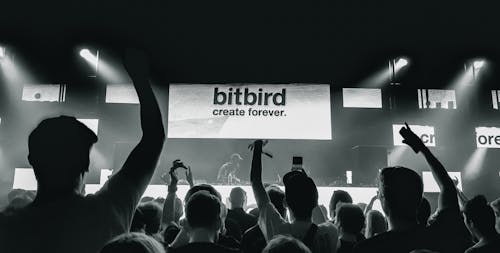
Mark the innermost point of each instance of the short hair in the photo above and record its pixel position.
(339, 196)
(481, 214)
(133, 243)
(351, 218)
(301, 194)
(423, 212)
(237, 197)
(401, 192)
(375, 223)
(277, 197)
(203, 210)
(202, 187)
(152, 214)
(60, 146)
(285, 244)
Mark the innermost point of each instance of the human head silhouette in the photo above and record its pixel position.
(285, 244)
(400, 193)
(203, 210)
(350, 219)
(375, 223)
(277, 197)
(479, 217)
(238, 197)
(301, 194)
(59, 150)
(338, 196)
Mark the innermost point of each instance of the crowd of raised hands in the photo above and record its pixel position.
(60, 218)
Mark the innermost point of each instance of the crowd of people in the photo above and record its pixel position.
(59, 217)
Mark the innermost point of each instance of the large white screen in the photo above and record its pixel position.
(249, 111)
(362, 98)
(24, 178)
(426, 134)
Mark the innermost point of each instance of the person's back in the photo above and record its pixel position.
(253, 240)
(400, 193)
(61, 219)
(203, 217)
(302, 199)
(350, 220)
(237, 198)
(480, 220)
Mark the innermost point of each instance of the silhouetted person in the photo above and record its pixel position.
(350, 220)
(301, 198)
(400, 193)
(238, 199)
(253, 240)
(375, 223)
(182, 237)
(133, 243)
(61, 219)
(480, 220)
(203, 217)
(338, 197)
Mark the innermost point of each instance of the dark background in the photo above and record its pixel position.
(334, 42)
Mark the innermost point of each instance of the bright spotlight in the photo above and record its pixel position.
(89, 57)
(401, 63)
(85, 53)
(478, 64)
(2, 52)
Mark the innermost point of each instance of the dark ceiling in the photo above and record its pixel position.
(261, 41)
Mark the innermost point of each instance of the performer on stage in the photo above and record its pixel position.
(227, 172)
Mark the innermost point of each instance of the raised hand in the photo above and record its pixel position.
(258, 143)
(411, 139)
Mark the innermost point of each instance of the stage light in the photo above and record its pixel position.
(87, 55)
(478, 64)
(2, 52)
(400, 63)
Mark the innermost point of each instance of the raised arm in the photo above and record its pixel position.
(136, 173)
(168, 215)
(448, 195)
(259, 191)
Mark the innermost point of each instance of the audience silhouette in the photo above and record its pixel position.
(60, 218)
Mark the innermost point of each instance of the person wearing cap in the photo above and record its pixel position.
(61, 218)
(227, 172)
(301, 197)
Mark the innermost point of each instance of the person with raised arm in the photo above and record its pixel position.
(400, 193)
(301, 196)
(172, 207)
(61, 218)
